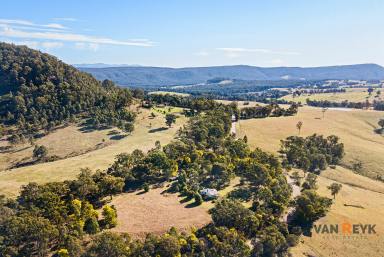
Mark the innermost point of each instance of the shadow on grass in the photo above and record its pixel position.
(186, 199)
(157, 130)
(117, 137)
(379, 131)
(192, 205)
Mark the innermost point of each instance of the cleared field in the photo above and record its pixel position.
(356, 130)
(354, 127)
(167, 93)
(351, 94)
(147, 132)
(64, 142)
(356, 204)
(156, 212)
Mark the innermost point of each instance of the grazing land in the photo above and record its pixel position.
(356, 128)
(64, 142)
(351, 94)
(167, 93)
(156, 212)
(360, 201)
(147, 131)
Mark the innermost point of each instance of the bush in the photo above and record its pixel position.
(110, 217)
(91, 226)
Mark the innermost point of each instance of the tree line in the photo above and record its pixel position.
(376, 104)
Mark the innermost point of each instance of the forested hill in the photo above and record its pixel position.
(149, 76)
(38, 91)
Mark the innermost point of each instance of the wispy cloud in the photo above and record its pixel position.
(32, 24)
(30, 31)
(71, 37)
(36, 44)
(233, 52)
(52, 44)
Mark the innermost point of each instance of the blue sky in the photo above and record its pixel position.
(200, 32)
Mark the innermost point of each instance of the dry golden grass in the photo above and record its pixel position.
(371, 213)
(351, 94)
(356, 130)
(64, 142)
(167, 93)
(354, 127)
(156, 212)
(11, 180)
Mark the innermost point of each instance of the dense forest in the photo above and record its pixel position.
(37, 91)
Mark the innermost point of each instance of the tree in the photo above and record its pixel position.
(146, 187)
(40, 152)
(323, 110)
(198, 199)
(381, 124)
(299, 125)
(170, 119)
(110, 244)
(91, 225)
(310, 182)
(63, 253)
(111, 185)
(296, 178)
(110, 216)
(232, 214)
(85, 187)
(335, 189)
(309, 207)
(128, 127)
(29, 233)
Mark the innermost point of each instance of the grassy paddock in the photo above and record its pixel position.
(354, 127)
(351, 94)
(147, 131)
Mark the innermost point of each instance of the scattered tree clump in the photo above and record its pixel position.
(313, 153)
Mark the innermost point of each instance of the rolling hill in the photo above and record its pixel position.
(149, 76)
(38, 91)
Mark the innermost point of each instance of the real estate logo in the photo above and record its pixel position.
(346, 230)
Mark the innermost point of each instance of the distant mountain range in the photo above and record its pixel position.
(103, 65)
(157, 76)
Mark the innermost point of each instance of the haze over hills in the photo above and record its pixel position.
(159, 76)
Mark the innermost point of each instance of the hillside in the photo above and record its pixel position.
(149, 76)
(38, 91)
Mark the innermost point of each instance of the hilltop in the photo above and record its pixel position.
(38, 91)
(158, 76)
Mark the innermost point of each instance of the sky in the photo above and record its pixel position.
(190, 33)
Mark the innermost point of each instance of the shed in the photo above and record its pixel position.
(209, 193)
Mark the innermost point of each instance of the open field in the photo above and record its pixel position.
(167, 93)
(360, 203)
(64, 142)
(356, 130)
(351, 94)
(166, 109)
(147, 132)
(354, 127)
(156, 212)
